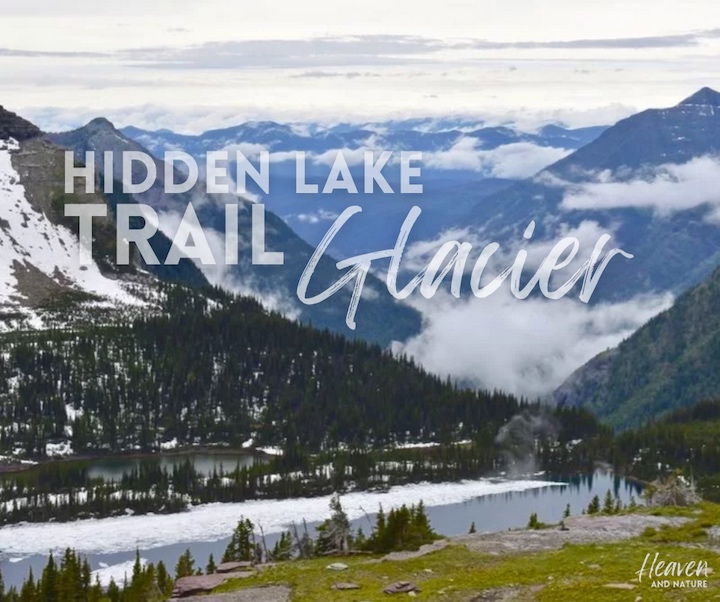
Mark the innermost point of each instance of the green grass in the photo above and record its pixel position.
(576, 572)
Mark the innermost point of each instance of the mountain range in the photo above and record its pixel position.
(647, 180)
(425, 135)
(380, 318)
(463, 162)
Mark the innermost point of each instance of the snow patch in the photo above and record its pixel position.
(116, 572)
(213, 522)
(29, 238)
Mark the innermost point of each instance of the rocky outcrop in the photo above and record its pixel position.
(14, 126)
(203, 584)
(272, 593)
(234, 567)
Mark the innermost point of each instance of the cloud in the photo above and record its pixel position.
(526, 347)
(14, 52)
(667, 41)
(516, 161)
(287, 53)
(333, 74)
(329, 51)
(315, 218)
(228, 276)
(666, 190)
(587, 233)
(248, 149)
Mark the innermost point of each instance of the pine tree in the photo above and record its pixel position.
(28, 591)
(472, 528)
(608, 504)
(185, 566)
(113, 591)
(164, 580)
(334, 533)
(283, 548)
(533, 522)
(241, 547)
(594, 505)
(48, 582)
(210, 568)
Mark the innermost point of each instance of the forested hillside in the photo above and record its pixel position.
(223, 370)
(686, 440)
(669, 363)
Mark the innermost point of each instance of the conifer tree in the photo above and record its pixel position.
(185, 566)
(608, 504)
(241, 547)
(211, 567)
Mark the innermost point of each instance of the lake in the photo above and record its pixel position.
(204, 462)
(115, 467)
(110, 544)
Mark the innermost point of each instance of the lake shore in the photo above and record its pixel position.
(25, 465)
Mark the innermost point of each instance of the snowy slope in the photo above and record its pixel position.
(28, 239)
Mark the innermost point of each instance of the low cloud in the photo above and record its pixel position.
(515, 161)
(666, 190)
(526, 347)
(315, 218)
(227, 276)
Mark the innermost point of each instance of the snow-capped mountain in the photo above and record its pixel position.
(39, 253)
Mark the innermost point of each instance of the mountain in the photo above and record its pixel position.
(645, 181)
(464, 161)
(670, 363)
(40, 275)
(380, 318)
(652, 137)
(413, 134)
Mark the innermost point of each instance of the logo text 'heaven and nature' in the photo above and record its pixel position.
(666, 574)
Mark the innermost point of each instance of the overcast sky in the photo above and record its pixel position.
(196, 65)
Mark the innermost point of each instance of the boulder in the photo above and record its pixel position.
(342, 586)
(234, 567)
(401, 587)
(203, 584)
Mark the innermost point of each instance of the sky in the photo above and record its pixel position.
(194, 65)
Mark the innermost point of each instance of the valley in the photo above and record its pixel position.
(271, 414)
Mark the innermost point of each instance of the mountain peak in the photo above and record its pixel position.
(100, 123)
(705, 97)
(14, 126)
